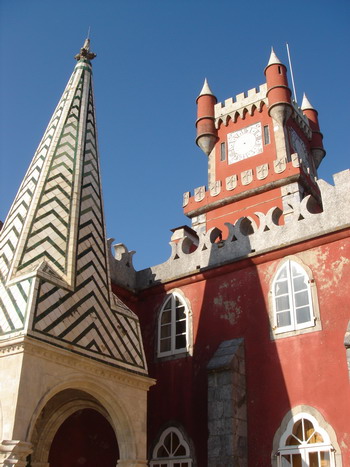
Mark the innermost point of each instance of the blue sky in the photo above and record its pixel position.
(152, 58)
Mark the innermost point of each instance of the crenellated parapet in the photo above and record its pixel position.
(244, 103)
(248, 237)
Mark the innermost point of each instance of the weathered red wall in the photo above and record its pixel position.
(308, 369)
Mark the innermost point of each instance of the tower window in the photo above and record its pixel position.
(173, 329)
(279, 70)
(266, 134)
(223, 152)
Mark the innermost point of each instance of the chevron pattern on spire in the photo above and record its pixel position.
(55, 283)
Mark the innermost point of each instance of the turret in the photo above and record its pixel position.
(317, 149)
(205, 123)
(279, 97)
(278, 92)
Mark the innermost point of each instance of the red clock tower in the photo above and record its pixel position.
(262, 150)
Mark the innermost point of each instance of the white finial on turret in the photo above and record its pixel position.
(274, 60)
(305, 105)
(206, 89)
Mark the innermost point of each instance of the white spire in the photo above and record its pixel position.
(53, 252)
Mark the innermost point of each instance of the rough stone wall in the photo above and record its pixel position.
(227, 409)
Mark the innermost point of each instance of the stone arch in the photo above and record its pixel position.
(64, 400)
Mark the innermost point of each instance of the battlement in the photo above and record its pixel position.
(243, 103)
(246, 238)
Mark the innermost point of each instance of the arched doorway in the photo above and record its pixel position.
(85, 439)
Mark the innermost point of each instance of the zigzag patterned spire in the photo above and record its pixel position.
(55, 282)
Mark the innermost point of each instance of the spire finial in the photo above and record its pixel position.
(85, 50)
(206, 89)
(305, 105)
(273, 59)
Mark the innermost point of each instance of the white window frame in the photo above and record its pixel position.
(173, 296)
(305, 448)
(294, 325)
(171, 460)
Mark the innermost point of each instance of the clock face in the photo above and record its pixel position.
(244, 143)
(299, 146)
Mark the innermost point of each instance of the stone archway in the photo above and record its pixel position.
(56, 428)
(85, 439)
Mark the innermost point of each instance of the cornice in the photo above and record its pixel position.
(79, 363)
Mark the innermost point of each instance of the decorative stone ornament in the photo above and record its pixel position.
(295, 160)
(199, 193)
(247, 177)
(262, 171)
(231, 182)
(185, 199)
(280, 165)
(215, 188)
(85, 52)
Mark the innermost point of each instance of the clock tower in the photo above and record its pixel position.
(263, 150)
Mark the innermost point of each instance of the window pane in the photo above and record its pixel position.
(167, 306)
(316, 438)
(282, 303)
(180, 342)
(166, 317)
(301, 298)
(303, 315)
(325, 459)
(180, 313)
(181, 451)
(181, 327)
(281, 288)
(296, 270)
(313, 459)
(165, 331)
(165, 345)
(292, 441)
(283, 273)
(299, 283)
(296, 460)
(286, 461)
(283, 319)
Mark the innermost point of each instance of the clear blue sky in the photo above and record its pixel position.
(152, 58)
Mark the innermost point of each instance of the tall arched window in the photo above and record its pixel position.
(171, 450)
(305, 444)
(173, 326)
(292, 299)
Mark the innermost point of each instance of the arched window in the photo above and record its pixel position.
(305, 444)
(292, 299)
(171, 450)
(173, 328)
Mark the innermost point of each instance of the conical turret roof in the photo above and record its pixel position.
(305, 105)
(54, 281)
(273, 60)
